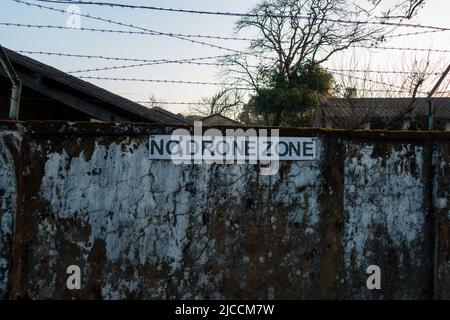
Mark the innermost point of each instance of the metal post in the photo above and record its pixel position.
(430, 114)
(16, 85)
(431, 187)
(430, 95)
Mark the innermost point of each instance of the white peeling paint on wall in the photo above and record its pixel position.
(145, 209)
(7, 203)
(442, 200)
(298, 192)
(149, 229)
(387, 195)
(140, 208)
(149, 214)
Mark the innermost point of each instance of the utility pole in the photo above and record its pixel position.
(16, 85)
(430, 95)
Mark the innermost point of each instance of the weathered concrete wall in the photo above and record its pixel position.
(9, 146)
(386, 208)
(89, 196)
(441, 199)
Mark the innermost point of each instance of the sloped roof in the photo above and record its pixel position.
(92, 93)
(219, 119)
(388, 108)
(175, 117)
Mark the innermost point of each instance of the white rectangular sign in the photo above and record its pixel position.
(238, 148)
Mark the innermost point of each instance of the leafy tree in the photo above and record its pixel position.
(289, 98)
(293, 38)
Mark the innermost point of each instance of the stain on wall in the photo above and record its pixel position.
(9, 146)
(385, 216)
(441, 232)
(142, 229)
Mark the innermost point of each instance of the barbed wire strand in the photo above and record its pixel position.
(101, 57)
(163, 81)
(102, 30)
(149, 31)
(150, 62)
(401, 89)
(237, 14)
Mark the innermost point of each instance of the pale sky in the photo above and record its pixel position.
(434, 13)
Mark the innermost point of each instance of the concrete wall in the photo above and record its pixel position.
(9, 147)
(88, 195)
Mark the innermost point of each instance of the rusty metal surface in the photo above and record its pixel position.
(88, 195)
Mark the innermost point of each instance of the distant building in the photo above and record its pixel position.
(382, 113)
(50, 94)
(218, 119)
(174, 118)
(215, 119)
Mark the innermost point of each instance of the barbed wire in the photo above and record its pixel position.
(402, 48)
(41, 26)
(190, 61)
(102, 30)
(398, 35)
(97, 100)
(237, 14)
(162, 81)
(174, 102)
(149, 64)
(384, 71)
(186, 37)
(229, 64)
(148, 31)
(101, 57)
(332, 70)
(206, 103)
(188, 102)
(401, 88)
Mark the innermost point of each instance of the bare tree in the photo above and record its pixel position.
(154, 102)
(419, 75)
(292, 32)
(402, 9)
(226, 102)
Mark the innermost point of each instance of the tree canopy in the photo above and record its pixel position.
(293, 38)
(289, 97)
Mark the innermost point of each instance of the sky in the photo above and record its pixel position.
(74, 41)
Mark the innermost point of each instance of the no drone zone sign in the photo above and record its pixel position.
(234, 148)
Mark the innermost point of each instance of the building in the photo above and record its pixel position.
(215, 119)
(382, 113)
(50, 94)
(175, 118)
